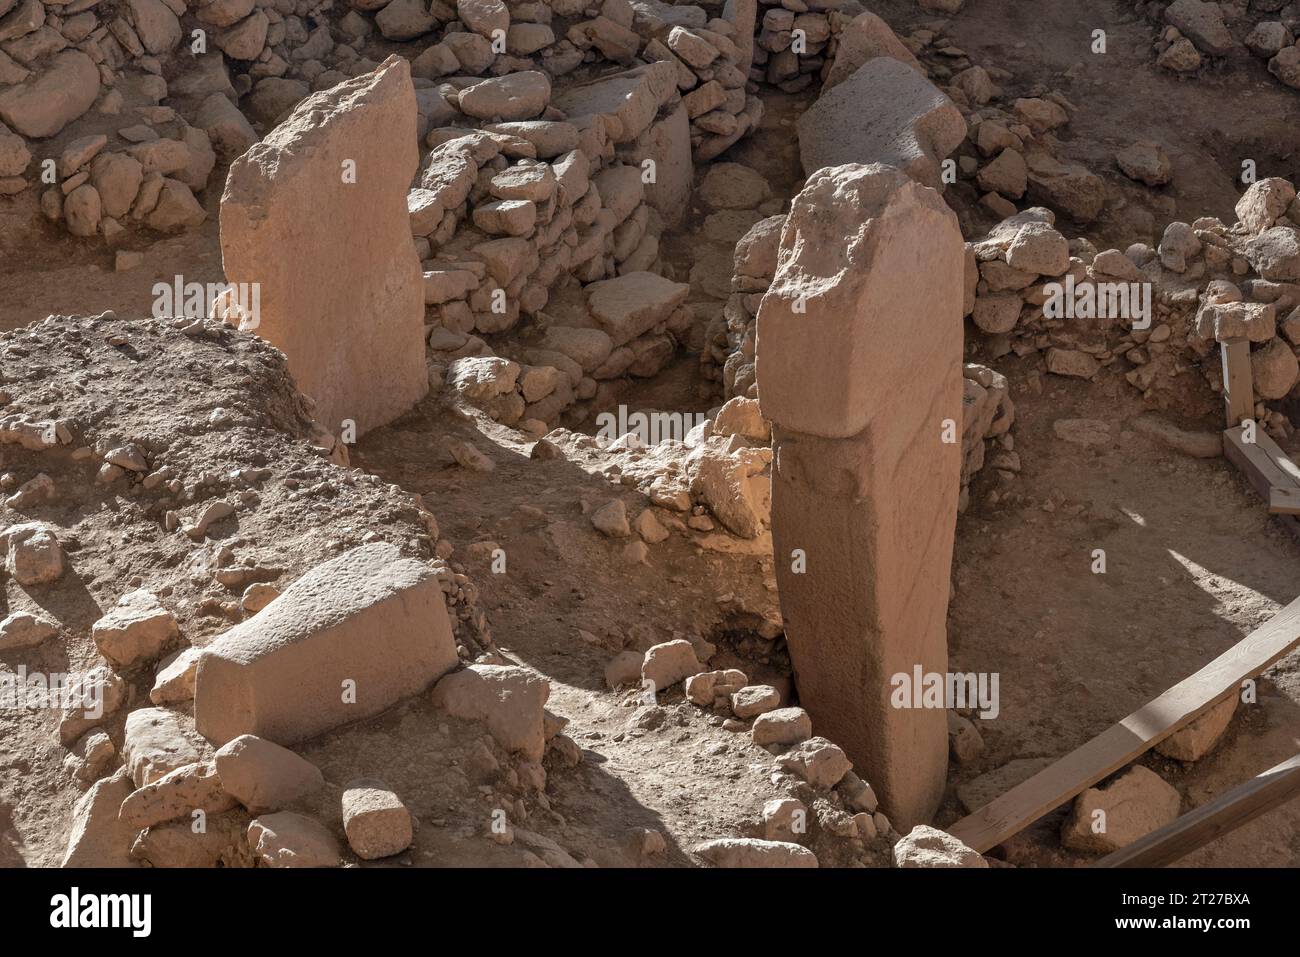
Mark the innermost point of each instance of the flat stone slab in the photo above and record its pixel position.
(316, 214)
(729, 852)
(634, 303)
(345, 641)
(630, 99)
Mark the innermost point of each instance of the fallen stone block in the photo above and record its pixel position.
(910, 125)
(175, 679)
(782, 726)
(819, 762)
(34, 556)
(634, 303)
(1068, 187)
(751, 701)
(25, 630)
(752, 852)
(157, 741)
(1202, 23)
(98, 838)
(509, 700)
(1275, 254)
(1264, 203)
(286, 839)
(178, 793)
(624, 669)
(926, 846)
(1133, 805)
(263, 776)
(346, 641)
(864, 38)
(136, 629)
(375, 820)
(668, 663)
(93, 695)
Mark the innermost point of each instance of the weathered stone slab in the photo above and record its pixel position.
(910, 124)
(859, 354)
(634, 303)
(369, 621)
(157, 741)
(668, 143)
(509, 700)
(864, 38)
(58, 95)
(98, 838)
(1107, 818)
(1197, 739)
(626, 101)
(751, 852)
(263, 776)
(286, 839)
(929, 847)
(316, 213)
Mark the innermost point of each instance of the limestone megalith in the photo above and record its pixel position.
(316, 214)
(859, 354)
(347, 640)
(909, 123)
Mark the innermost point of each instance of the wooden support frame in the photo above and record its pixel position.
(1269, 471)
(1120, 744)
(1211, 821)
(1238, 386)
(1284, 501)
(1277, 480)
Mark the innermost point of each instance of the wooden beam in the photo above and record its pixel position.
(1211, 821)
(1266, 467)
(1238, 387)
(1281, 461)
(1255, 463)
(1284, 501)
(1121, 743)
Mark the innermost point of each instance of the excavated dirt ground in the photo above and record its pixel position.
(1193, 561)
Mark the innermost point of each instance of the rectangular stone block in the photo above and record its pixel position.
(346, 641)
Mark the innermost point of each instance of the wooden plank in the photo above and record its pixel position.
(1238, 387)
(1284, 501)
(1255, 463)
(1121, 743)
(1281, 461)
(1211, 821)
(1260, 463)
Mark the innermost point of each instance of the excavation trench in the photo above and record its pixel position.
(1193, 562)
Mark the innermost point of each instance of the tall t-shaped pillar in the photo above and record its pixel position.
(859, 356)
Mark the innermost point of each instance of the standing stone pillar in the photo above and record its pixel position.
(315, 215)
(859, 355)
